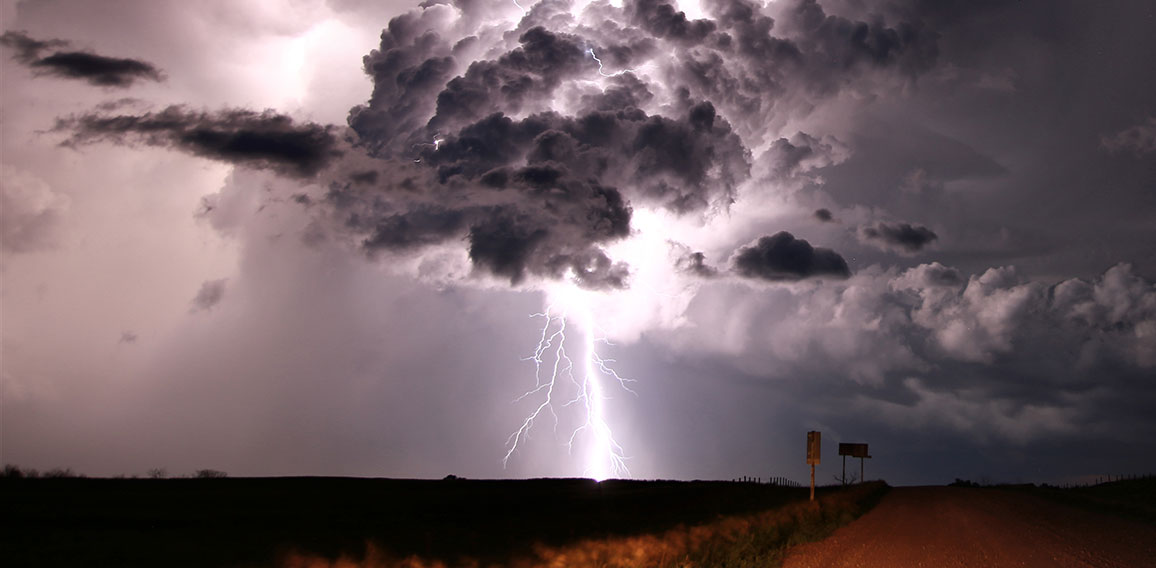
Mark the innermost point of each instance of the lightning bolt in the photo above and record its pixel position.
(437, 144)
(601, 71)
(556, 372)
(520, 7)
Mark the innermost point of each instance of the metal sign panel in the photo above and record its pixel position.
(853, 450)
(813, 453)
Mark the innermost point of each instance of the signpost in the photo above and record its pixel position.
(813, 454)
(855, 451)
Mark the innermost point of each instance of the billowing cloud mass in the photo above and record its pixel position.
(791, 215)
(96, 69)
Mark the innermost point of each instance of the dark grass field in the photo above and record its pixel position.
(256, 521)
(1131, 498)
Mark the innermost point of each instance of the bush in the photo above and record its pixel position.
(210, 474)
(14, 472)
(59, 473)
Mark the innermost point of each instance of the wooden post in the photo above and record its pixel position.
(861, 478)
(844, 480)
(812, 482)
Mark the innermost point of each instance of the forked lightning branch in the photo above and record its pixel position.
(572, 383)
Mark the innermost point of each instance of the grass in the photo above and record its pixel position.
(382, 522)
(752, 540)
(1130, 498)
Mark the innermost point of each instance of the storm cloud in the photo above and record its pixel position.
(783, 257)
(256, 139)
(98, 70)
(900, 237)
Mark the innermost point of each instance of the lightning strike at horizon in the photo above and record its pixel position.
(600, 69)
(554, 372)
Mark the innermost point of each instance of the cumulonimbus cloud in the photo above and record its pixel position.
(520, 147)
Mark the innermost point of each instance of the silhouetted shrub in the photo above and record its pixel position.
(158, 473)
(58, 473)
(210, 474)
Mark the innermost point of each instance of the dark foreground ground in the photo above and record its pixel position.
(254, 521)
(979, 527)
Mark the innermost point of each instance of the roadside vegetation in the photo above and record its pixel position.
(756, 540)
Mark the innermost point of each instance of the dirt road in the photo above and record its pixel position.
(960, 527)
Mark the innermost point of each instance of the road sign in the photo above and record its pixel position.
(813, 453)
(853, 450)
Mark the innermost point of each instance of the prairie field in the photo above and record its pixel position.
(347, 522)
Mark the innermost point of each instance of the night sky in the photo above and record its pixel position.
(310, 237)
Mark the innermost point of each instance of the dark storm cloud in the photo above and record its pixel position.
(537, 222)
(539, 194)
(901, 237)
(524, 75)
(473, 150)
(662, 20)
(783, 257)
(27, 50)
(96, 69)
(411, 65)
(535, 191)
(531, 191)
(823, 215)
(209, 295)
(257, 139)
(754, 66)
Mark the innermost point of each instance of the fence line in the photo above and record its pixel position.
(775, 480)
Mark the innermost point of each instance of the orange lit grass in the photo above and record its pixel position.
(758, 539)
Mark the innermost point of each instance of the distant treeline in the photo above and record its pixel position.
(16, 472)
(1099, 480)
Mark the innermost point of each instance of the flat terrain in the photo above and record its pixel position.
(971, 527)
(253, 521)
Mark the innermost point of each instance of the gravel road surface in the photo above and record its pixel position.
(964, 527)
